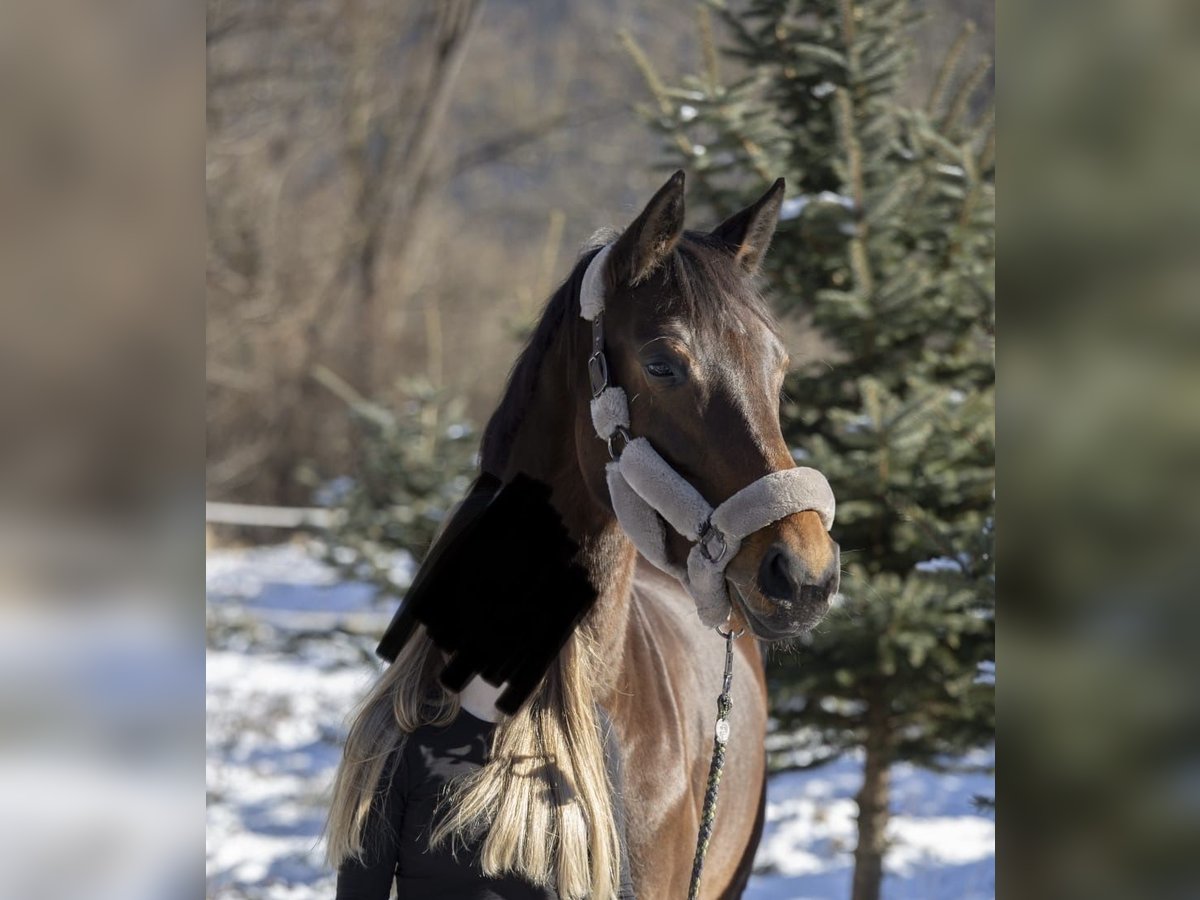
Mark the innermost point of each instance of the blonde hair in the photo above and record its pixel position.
(543, 802)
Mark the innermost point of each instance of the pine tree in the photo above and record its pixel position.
(411, 468)
(887, 246)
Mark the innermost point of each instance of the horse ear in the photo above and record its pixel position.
(652, 235)
(750, 230)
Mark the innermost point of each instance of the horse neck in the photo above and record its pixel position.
(547, 446)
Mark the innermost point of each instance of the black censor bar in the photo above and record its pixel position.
(500, 591)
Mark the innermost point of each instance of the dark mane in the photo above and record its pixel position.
(700, 283)
(501, 427)
(710, 291)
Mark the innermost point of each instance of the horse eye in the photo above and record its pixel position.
(660, 370)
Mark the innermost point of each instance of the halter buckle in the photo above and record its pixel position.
(598, 373)
(625, 436)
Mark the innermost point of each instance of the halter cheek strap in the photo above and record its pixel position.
(647, 494)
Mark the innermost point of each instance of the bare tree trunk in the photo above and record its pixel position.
(873, 799)
(390, 147)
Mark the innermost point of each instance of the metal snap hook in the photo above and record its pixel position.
(729, 634)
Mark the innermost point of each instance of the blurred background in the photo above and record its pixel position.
(540, 123)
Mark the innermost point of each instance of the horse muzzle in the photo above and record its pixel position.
(785, 598)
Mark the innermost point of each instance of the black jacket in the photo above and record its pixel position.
(397, 832)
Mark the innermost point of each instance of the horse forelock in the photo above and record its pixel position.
(559, 310)
(703, 283)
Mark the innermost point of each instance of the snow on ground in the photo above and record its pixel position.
(941, 847)
(280, 688)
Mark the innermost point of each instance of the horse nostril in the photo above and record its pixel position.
(776, 577)
(816, 593)
(820, 591)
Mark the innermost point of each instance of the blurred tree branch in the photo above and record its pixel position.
(502, 145)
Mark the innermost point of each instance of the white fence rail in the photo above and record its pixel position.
(270, 516)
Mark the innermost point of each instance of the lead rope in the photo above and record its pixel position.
(720, 738)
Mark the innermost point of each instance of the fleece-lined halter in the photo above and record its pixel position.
(645, 490)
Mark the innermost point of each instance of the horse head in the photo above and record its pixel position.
(697, 351)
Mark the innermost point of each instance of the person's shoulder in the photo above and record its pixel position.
(435, 753)
(433, 739)
(462, 724)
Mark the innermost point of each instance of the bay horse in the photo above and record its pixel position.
(696, 349)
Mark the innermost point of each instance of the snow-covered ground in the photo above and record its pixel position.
(279, 690)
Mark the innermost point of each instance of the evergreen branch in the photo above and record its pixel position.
(914, 514)
(921, 193)
(948, 67)
(958, 106)
(359, 404)
(819, 53)
(850, 146)
(902, 190)
(987, 153)
(988, 297)
(859, 263)
(757, 158)
(708, 47)
(972, 196)
(910, 278)
(653, 82)
(656, 87)
(986, 123)
(942, 144)
(849, 33)
(742, 34)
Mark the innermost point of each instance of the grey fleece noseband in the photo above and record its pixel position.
(646, 492)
